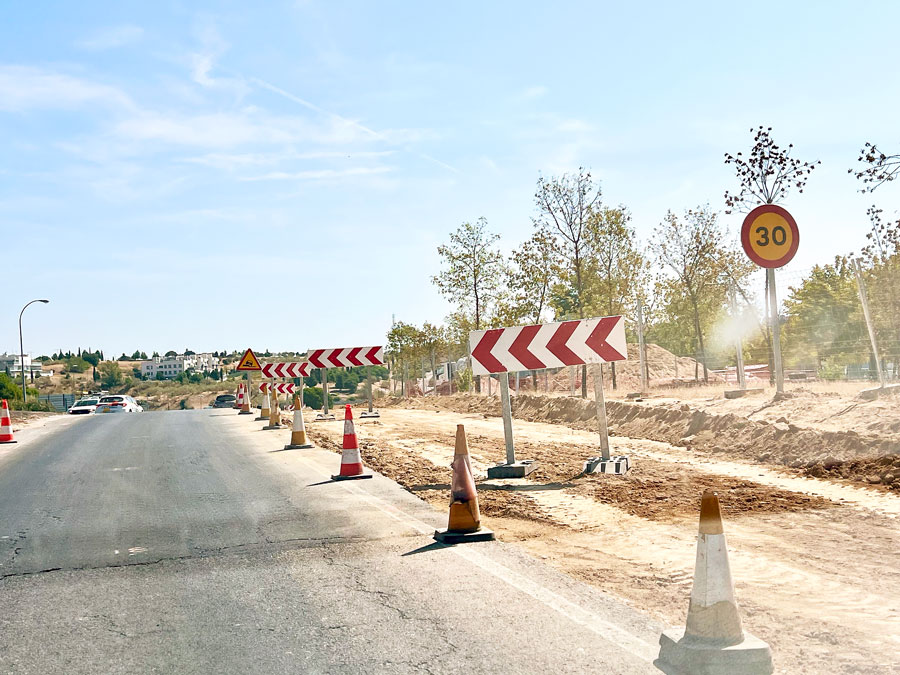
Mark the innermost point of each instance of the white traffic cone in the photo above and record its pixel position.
(6, 433)
(298, 429)
(713, 641)
(351, 461)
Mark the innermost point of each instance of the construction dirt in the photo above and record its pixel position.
(816, 561)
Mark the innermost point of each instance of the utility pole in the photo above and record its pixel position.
(864, 300)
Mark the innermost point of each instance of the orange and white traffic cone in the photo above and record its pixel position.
(245, 401)
(465, 518)
(713, 642)
(237, 397)
(351, 461)
(6, 434)
(274, 414)
(264, 411)
(298, 430)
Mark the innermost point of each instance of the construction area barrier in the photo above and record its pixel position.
(713, 641)
(351, 461)
(298, 429)
(465, 518)
(275, 414)
(237, 396)
(264, 411)
(6, 433)
(245, 401)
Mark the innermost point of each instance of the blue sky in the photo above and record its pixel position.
(187, 174)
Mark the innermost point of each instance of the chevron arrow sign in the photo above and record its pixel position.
(280, 387)
(346, 357)
(300, 369)
(548, 345)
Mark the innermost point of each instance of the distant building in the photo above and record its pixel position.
(172, 366)
(12, 364)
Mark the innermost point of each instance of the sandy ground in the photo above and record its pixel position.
(816, 562)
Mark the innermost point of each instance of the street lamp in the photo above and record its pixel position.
(22, 348)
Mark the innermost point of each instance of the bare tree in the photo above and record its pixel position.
(767, 175)
(565, 205)
(878, 169)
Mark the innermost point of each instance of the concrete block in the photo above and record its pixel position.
(738, 393)
(447, 537)
(618, 465)
(686, 656)
(518, 470)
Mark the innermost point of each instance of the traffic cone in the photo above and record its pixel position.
(298, 430)
(713, 642)
(245, 401)
(237, 396)
(465, 518)
(6, 434)
(351, 462)
(266, 403)
(275, 414)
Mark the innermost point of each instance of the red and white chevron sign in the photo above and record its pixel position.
(300, 369)
(346, 357)
(280, 387)
(548, 345)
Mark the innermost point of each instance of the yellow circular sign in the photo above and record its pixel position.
(770, 236)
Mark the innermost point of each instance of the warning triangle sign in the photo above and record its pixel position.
(249, 361)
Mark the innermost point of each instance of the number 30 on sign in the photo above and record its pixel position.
(770, 236)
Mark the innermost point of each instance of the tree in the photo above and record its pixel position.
(616, 268)
(403, 346)
(530, 273)
(692, 250)
(471, 276)
(93, 359)
(767, 175)
(111, 374)
(171, 353)
(472, 270)
(565, 205)
(823, 316)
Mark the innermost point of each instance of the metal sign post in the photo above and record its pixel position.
(371, 412)
(645, 385)
(776, 331)
(864, 301)
(602, 426)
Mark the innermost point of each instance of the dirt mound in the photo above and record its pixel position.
(836, 454)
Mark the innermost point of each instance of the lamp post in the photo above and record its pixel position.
(22, 348)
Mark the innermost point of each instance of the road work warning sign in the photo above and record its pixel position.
(249, 361)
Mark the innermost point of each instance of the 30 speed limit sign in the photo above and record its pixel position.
(770, 236)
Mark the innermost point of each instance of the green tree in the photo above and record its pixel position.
(617, 270)
(693, 251)
(111, 374)
(565, 205)
(8, 387)
(93, 359)
(824, 318)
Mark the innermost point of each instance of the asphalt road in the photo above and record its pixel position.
(181, 542)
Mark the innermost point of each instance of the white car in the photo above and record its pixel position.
(117, 403)
(84, 406)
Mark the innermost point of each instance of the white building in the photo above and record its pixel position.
(172, 366)
(12, 364)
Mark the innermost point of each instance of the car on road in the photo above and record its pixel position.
(118, 403)
(84, 406)
(224, 401)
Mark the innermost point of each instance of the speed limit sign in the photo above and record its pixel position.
(770, 236)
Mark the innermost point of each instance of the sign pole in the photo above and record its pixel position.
(324, 374)
(864, 301)
(776, 331)
(602, 425)
(507, 418)
(741, 378)
(645, 386)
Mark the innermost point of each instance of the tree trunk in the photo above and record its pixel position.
(699, 335)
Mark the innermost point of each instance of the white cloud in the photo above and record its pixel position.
(111, 38)
(232, 161)
(321, 174)
(26, 87)
(533, 92)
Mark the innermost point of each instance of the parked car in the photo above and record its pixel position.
(224, 401)
(84, 406)
(118, 403)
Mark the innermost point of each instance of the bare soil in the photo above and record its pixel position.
(816, 562)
